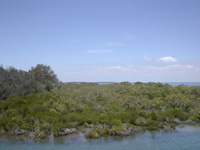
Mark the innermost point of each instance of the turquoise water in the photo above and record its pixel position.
(184, 83)
(187, 138)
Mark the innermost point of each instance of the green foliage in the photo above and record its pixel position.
(175, 113)
(98, 131)
(19, 83)
(115, 122)
(141, 121)
(117, 129)
(92, 134)
(147, 105)
(45, 76)
(42, 136)
(153, 116)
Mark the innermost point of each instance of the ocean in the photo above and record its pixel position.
(170, 83)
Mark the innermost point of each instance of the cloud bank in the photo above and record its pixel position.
(132, 73)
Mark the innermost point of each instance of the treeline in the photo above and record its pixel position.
(114, 109)
(15, 82)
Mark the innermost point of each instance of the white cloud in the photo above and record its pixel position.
(99, 51)
(113, 44)
(117, 68)
(170, 68)
(132, 68)
(147, 58)
(167, 59)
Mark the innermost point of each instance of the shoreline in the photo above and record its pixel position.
(83, 131)
(79, 136)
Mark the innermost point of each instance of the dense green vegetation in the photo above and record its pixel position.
(111, 109)
(15, 82)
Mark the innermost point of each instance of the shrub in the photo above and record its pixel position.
(92, 134)
(115, 122)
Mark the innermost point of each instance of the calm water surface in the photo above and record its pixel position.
(187, 138)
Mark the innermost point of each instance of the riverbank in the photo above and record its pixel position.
(98, 130)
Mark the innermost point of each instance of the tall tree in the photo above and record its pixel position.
(15, 82)
(45, 76)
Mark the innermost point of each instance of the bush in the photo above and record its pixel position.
(92, 134)
(141, 121)
(115, 122)
(42, 136)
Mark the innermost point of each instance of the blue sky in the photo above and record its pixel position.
(103, 40)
